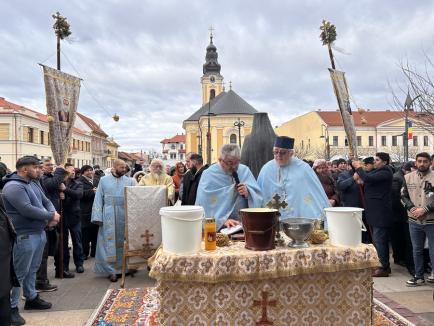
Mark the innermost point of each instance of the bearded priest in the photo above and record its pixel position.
(108, 212)
(290, 184)
(226, 187)
(158, 177)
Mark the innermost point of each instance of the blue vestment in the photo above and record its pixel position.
(108, 208)
(218, 196)
(298, 185)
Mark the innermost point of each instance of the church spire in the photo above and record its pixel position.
(211, 63)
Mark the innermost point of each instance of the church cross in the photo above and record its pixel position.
(147, 245)
(276, 203)
(264, 303)
(211, 29)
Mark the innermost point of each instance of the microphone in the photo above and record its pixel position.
(237, 179)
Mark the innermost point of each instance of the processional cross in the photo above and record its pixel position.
(277, 204)
(264, 303)
(147, 246)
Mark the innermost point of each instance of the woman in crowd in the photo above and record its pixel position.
(177, 178)
(322, 171)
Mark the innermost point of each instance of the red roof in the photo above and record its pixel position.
(9, 107)
(371, 118)
(92, 124)
(174, 139)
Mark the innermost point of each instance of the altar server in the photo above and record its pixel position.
(291, 184)
(226, 187)
(108, 212)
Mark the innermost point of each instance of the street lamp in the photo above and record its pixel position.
(325, 135)
(407, 106)
(208, 134)
(239, 124)
(199, 138)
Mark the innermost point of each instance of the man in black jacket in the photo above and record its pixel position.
(378, 201)
(400, 236)
(51, 183)
(71, 222)
(89, 230)
(191, 179)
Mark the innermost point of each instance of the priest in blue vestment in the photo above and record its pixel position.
(108, 212)
(290, 184)
(226, 187)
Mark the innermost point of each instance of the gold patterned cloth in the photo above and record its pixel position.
(235, 263)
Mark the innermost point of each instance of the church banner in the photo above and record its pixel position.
(62, 92)
(341, 91)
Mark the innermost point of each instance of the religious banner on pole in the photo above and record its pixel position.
(62, 92)
(341, 91)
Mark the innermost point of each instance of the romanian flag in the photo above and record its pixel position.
(410, 130)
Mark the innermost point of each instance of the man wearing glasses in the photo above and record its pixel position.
(226, 187)
(292, 183)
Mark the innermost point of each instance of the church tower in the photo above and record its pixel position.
(212, 81)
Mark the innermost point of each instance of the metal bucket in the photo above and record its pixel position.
(259, 226)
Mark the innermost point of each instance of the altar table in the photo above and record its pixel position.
(319, 285)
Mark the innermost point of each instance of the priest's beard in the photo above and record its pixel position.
(156, 176)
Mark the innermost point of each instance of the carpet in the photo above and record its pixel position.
(138, 307)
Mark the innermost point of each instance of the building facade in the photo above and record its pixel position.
(320, 134)
(216, 122)
(174, 148)
(24, 131)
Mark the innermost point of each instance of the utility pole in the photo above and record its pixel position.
(239, 124)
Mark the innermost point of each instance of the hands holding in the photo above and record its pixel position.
(62, 187)
(230, 222)
(419, 212)
(54, 220)
(242, 190)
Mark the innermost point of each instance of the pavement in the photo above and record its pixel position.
(76, 299)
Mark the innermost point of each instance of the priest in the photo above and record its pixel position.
(108, 212)
(226, 187)
(290, 184)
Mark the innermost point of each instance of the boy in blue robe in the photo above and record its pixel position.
(226, 187)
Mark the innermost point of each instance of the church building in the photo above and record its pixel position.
(224, 117)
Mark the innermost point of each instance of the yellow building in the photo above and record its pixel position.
(221, 113)
(112, 152)
(376, 131)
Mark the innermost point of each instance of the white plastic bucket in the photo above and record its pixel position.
(345, 225)
(181, 229)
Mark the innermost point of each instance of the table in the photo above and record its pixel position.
(319, 285)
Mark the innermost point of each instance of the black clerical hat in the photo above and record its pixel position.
(284, 142)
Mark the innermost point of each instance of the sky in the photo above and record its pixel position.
(143, 59)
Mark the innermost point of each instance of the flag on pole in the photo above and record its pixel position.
(342, 95)
(62, 92)
(410, 130)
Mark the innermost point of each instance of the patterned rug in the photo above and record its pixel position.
(138, 307)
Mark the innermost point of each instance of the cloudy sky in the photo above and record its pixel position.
(143, 59)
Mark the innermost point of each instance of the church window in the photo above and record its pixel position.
(211, 94)
(233, 139)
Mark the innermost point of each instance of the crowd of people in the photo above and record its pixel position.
(398, 202)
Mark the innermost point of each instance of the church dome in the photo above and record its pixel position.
(211, 60)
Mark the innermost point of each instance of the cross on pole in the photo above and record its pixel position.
(147, 245)
(276, 203)
(264, 303)
(210, 32)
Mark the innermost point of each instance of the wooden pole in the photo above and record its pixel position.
(58, 52)
(332, 60)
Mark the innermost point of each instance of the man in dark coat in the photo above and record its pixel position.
(191, 179)
(97, 175)
(8, 279)
(401, 241)
(378, 201)
(50, 183)
(89, 230)
(71, 222)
